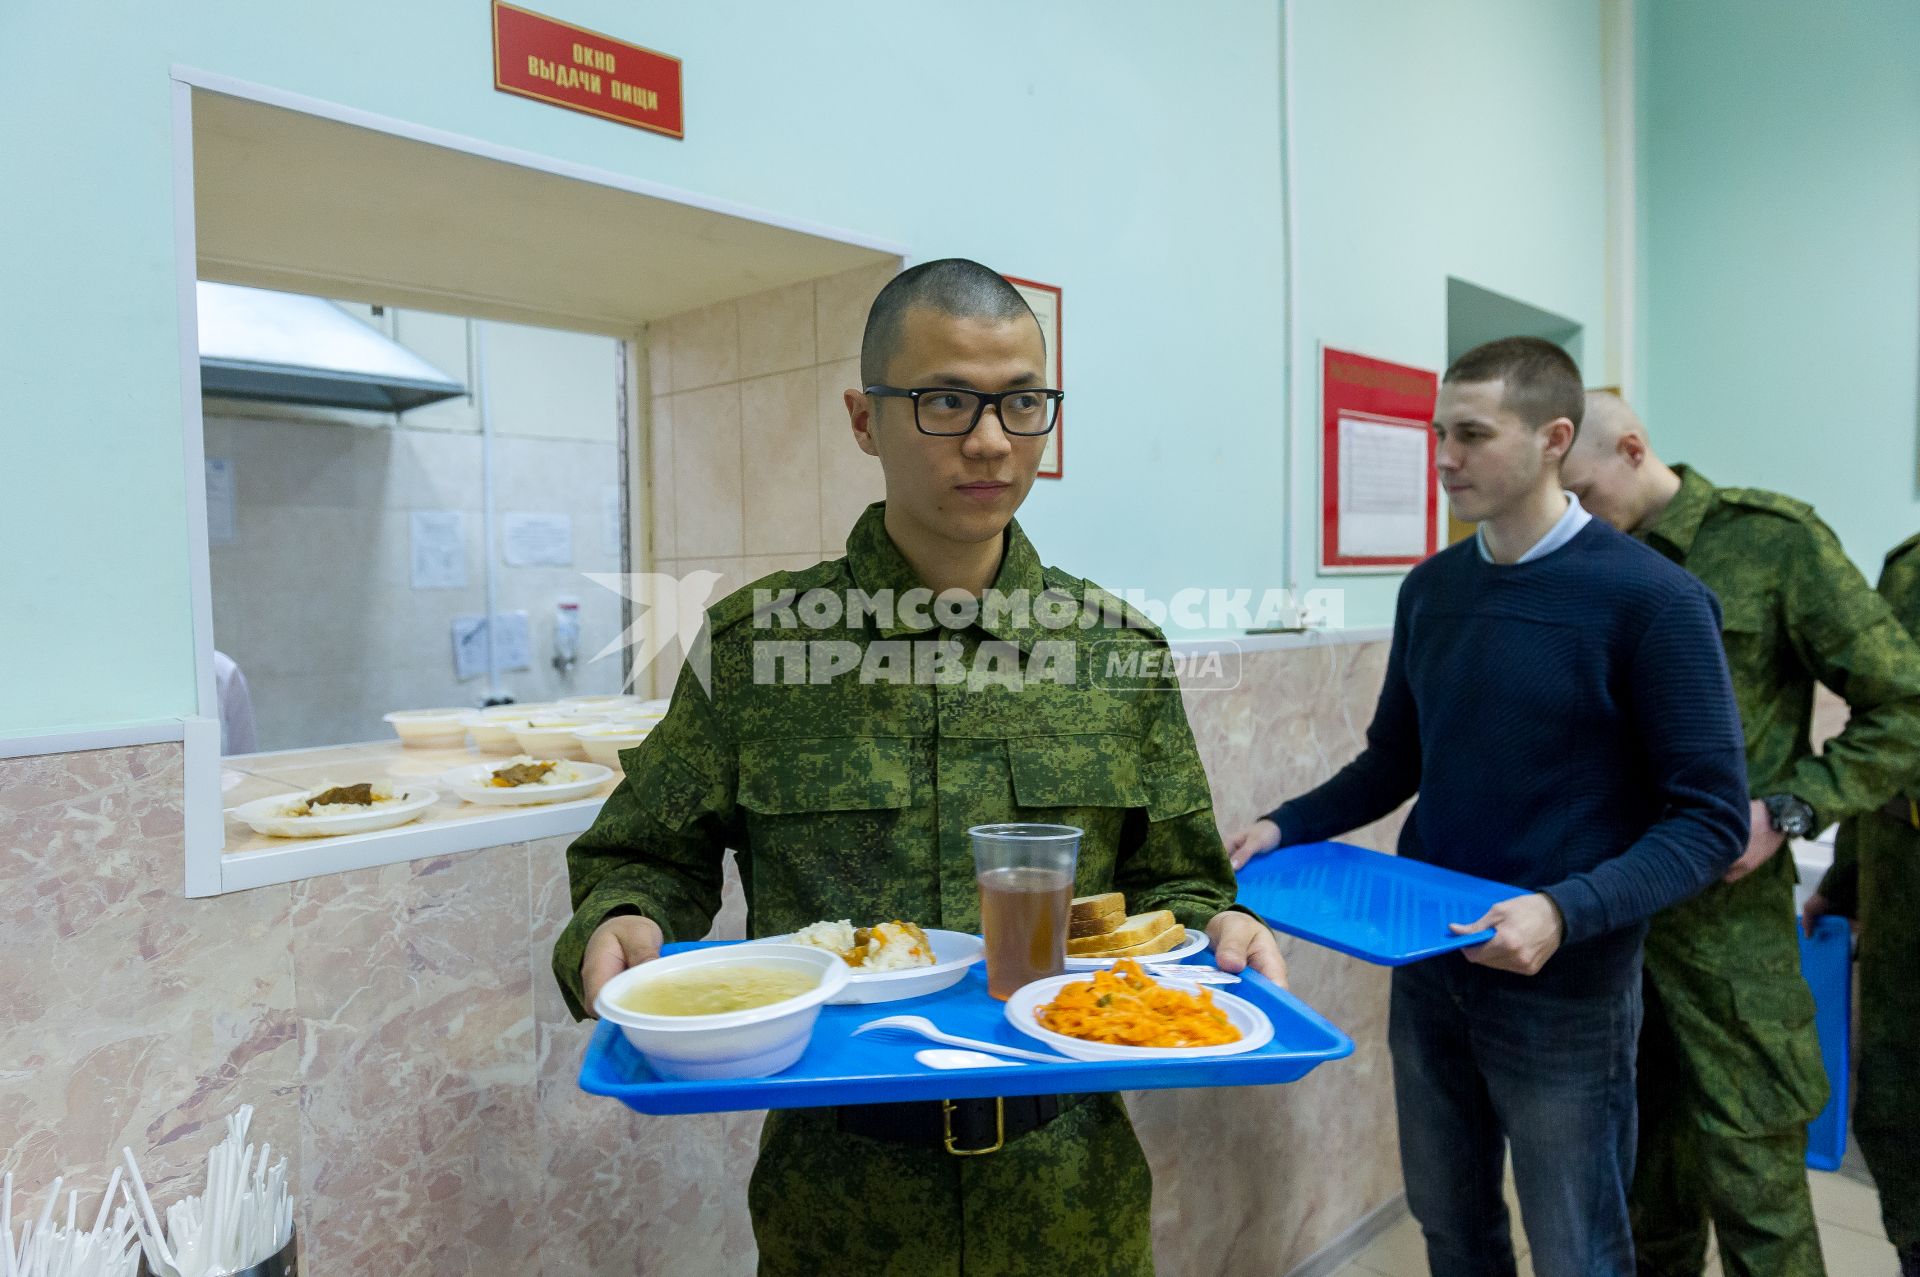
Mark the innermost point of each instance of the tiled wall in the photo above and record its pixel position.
(401, 1036)
(753, 465)
(313, 597)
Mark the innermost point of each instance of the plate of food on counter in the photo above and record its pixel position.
(1133, 1012)
(1100, 932)
(329, 810)
(524, 780)
(891, 960)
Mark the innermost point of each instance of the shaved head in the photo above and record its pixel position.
(1608, 420)
(1612, 468)
(954, 287)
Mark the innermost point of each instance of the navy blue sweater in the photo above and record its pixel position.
(1569, 727)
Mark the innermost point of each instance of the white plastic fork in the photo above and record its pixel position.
(926, 1028)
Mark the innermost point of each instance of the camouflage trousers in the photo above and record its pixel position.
(1074, 1196)
(1886, 1113)
(1729, 1076)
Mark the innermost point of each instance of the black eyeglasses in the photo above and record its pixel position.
(943, 410)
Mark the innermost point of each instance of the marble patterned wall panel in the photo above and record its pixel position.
(129, 1016)
(415, 999)
(1258, 1180)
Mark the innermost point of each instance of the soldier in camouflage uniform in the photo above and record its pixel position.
(848, 793)
(1730, 1069)
(1876, 878)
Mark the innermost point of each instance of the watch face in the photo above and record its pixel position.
(1790, 816)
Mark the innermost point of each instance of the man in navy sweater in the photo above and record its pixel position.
(1557, 695)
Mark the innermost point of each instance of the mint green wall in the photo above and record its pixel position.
(1123, 151)
(1456, 139)
(1431, 140)
(1781, 186)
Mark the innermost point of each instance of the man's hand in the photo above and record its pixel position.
(1241, 940)
(616, 944)
(1763, 843)
(1818, 907)
(1527, 930)
(1260, 836)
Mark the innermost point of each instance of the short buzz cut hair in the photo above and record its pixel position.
(954, 286)
(1542, 381)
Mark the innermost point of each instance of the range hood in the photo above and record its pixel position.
(286, 348)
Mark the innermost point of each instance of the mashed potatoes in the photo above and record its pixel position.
(887, 946)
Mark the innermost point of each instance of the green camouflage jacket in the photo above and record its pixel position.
(844, 759)
(1726, 964)
(1796, 610)
(1900, 587)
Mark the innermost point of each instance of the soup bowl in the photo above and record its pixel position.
(756, 1042)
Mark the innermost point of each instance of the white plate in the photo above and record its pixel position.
(953, 953)
(470, 783)
(1196, 941)
(1256, 1030)
(263, 815)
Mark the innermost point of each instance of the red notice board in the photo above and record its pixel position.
(551, 61)
(1379, 495)
(1048, 307)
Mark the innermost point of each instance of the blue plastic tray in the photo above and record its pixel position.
(1368, 904)
(880, 1068)
(1826, 961)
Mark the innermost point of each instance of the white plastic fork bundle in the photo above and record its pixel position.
(244, 1216)
(47, 1249)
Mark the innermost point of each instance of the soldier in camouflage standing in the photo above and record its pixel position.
(1730, 1070)
(845, 763)
(1876, 878)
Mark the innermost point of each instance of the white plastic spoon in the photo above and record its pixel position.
(928, 1029)
(940, 1057)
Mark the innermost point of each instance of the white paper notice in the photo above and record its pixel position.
(513, 647)
(537, 540)
(439, 550)
(1383, 489)
(220, 501)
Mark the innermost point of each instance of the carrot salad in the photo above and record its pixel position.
(1123, 1007)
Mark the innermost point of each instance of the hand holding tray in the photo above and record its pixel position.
(1367, 904)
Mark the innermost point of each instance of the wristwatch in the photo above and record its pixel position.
(1789, 815)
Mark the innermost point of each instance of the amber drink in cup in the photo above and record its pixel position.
(1026, 891)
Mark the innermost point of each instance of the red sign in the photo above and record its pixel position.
(537, 57)
(1379, 494)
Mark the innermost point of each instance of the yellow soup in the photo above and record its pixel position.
(714, 990)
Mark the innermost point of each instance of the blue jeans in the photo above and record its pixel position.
(1484, 1059)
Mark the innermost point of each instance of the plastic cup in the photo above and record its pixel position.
(1026, 892)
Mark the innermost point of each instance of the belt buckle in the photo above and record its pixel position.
(999, 1129)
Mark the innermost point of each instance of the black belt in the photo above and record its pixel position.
(964, 1128)
(1904, 810)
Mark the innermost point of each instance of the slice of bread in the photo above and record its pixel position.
(1172, 938)
(1096, 915)
(1137, 929)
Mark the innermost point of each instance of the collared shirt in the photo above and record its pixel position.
(1563, 530)
(1795, 610)
(846, 762)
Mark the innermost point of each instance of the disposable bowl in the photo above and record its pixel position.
(430, 728)
(550, 737)
(604, 741)
(597, 704)
(757, 1042)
